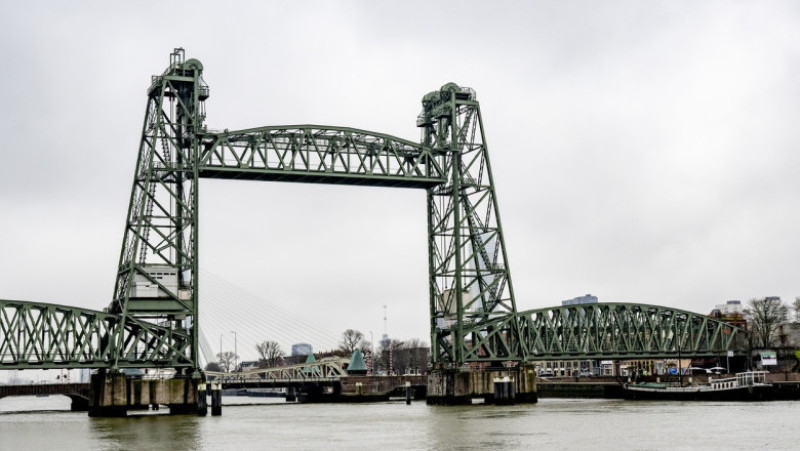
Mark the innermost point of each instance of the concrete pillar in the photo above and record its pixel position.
(216, 399)
(79, 404)
(112, 394)
(452, 387)
(108, 394)
(526, 391)
(202, 400)
(291, 394)
(504, 392)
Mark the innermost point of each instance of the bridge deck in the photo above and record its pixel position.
(77, 389)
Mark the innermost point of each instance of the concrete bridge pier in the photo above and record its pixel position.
(112, 394)
(454, 387)
(79, 403)
(291, 393)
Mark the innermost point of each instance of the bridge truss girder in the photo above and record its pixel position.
(319, 154)
(322, 370)
(625, 331)
(50, 336)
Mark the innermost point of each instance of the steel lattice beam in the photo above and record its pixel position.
(620, 330)
(36, 335)
(324, 369)
(317, 154)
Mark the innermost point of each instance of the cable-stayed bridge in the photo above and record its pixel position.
(229, 308)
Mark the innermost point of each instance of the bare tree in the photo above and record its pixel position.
(226, 360)
(796, 308)
(213, 366)
(764, 317)
(270, 353)
(350, 341)
(365, 346)
(417, 354)
(397, 359)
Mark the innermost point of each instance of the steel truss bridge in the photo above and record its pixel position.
(328, 369)
(154, 312)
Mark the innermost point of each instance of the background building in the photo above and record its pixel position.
(585, 299)
(299, 349)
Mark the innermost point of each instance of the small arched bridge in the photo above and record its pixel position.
(78, 393)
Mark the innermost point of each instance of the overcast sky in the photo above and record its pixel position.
(642, 151)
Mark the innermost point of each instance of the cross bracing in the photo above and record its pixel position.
(319, 154)
(331, 368)
(621, 330)
(36, 335)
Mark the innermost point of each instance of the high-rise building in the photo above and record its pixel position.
(301, 349)
(730, 308)
(586, 299)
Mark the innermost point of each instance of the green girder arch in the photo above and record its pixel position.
(45, 336)
(625, 331)
(319, 154)
(602, 331)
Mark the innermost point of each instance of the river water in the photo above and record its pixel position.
(553, 424)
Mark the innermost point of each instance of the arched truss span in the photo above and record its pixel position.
(623, 330)
(45, 336)
(320, 154)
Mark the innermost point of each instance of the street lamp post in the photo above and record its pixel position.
(235, 349)
(220, 350)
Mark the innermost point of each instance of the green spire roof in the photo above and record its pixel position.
(357, 362)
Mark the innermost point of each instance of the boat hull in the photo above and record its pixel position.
(752, 393)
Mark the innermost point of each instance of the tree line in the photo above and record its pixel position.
(391, 356)
(766, 316)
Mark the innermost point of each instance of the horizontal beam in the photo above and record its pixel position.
(320, 154)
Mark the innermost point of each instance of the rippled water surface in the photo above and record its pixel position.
(43, 423)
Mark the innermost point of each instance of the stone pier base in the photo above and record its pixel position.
(79, 404)
(452, 387)
(113, 394)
